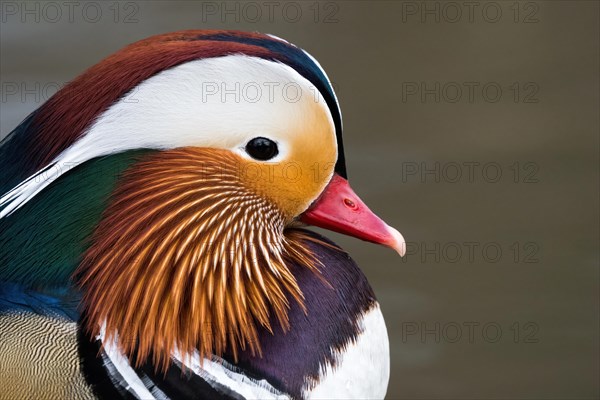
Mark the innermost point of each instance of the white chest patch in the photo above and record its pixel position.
(363, 367)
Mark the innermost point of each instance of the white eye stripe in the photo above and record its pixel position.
(170, 110)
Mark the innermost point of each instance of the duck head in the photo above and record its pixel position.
(235, 140)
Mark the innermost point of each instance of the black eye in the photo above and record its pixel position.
(262, 149)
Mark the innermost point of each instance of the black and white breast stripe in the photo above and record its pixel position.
(112, 376)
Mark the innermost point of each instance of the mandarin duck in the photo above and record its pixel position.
(153, 240)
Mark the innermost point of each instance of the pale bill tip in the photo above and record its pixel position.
(397, 243)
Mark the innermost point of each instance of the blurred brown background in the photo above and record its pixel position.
(473, 128)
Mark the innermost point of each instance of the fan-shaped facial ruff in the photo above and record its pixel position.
(190, 254)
